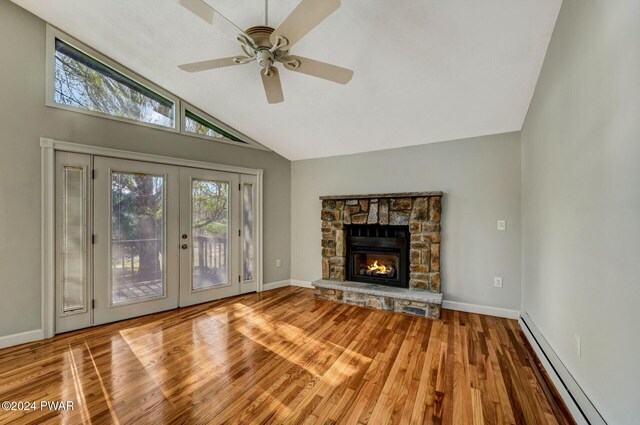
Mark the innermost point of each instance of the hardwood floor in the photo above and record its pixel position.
(283, 357)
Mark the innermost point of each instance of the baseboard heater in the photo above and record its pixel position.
(583, 411)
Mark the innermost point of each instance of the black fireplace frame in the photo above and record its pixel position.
(378, 239)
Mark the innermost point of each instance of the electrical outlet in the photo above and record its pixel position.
(497, 282)
(502, 225)
(278, 263)
(577, 345)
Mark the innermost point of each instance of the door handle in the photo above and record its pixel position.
(184, 246)
(184, 236)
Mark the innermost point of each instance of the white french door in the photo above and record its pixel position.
(155, 237)
(136, 214)
(209, 232)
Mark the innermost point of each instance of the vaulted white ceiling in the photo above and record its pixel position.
(425, 71)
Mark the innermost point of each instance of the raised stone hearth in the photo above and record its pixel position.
(421, 212)
(419, 303)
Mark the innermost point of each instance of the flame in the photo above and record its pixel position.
(378, 268)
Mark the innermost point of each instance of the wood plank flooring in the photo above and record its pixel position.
(283, 357)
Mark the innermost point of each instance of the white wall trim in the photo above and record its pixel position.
(48, 237)
(301, 283)
(21, 338)
(139, 156)
(481, 309)
(583, 411)
(275, 285)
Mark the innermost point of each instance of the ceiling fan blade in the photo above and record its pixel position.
(322, 70)
(207, 13)
(199, 8)
(305, 17)
(272, 86)
(209, 64)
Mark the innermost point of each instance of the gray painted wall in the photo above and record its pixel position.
(481, 181)
(581, 201)
(24, 118)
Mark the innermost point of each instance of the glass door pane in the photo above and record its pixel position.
(249, 225)
(74, 247)
(73, 267)
(248, 246)
(137, 237)
(210, 233)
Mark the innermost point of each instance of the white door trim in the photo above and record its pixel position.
(47, 217)
(48, 240)
(139, 156)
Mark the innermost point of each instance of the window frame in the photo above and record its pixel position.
(53, 33)
(248, 141)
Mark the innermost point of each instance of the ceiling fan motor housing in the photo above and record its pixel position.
(263, 52)
(265, 58)
(260, 34)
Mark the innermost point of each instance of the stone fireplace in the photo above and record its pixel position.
(382, 251)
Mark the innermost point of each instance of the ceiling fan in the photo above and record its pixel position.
(267, 45)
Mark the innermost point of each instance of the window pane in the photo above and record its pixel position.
(73, 240)
(197, 125)
(210, 201)
(247, 231)
(83, 82)
(192, 126)
(137, 237)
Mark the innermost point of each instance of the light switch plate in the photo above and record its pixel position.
(502, 225)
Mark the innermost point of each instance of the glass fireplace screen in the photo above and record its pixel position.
(376, 265)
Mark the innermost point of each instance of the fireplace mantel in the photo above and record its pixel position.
(420, 211)
(383, 195)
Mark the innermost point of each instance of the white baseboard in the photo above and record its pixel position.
(290, 282)
(21, 338)
(274, 285)
(481, 309)
(583, 411)
(451, 305)
(301, 283)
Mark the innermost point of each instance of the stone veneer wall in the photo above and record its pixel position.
(421, 211)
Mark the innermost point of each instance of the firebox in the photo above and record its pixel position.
(378, 254)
